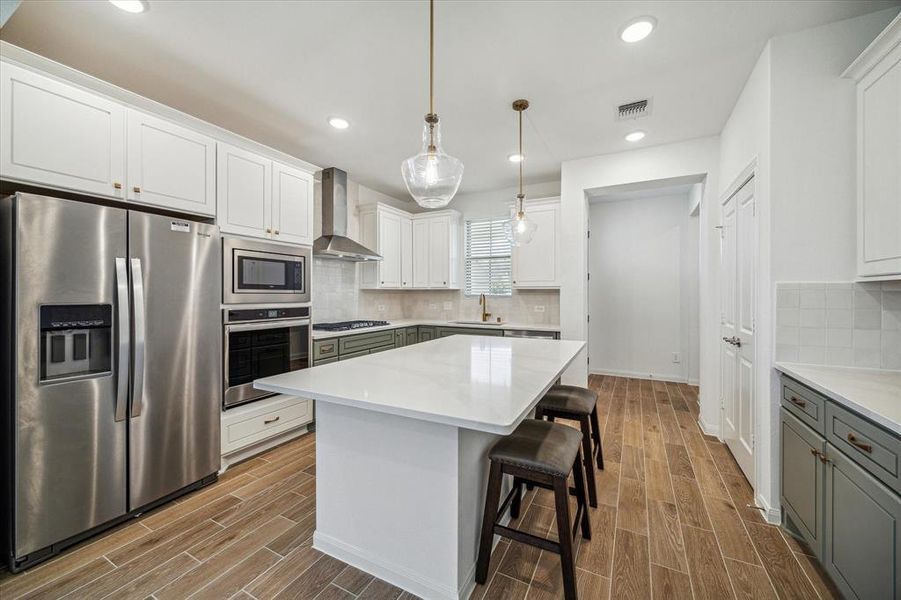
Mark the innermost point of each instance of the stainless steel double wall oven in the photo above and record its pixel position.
(266, 320)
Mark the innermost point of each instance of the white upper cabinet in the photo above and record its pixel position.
(878, 75)
(420, 231)
(536, 265)
(406, 252)
(292, 205)
(60, 136)
(243, 192)
(170, 166)
(436, 250)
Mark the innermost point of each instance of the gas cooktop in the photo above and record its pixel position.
(348, 325)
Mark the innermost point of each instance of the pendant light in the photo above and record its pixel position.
(519, 228)
(432, 177)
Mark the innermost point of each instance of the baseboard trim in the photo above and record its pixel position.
(388, 571)
(773, 515)
(708, 429)
(642, 375)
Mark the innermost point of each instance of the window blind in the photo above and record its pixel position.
(488, 268)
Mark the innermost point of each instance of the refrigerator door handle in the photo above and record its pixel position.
(137, 282)
(124, 339)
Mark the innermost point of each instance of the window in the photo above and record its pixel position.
(487, 261)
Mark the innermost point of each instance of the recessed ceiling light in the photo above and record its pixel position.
(515, 158)
(637, 29)
(338, 123)
(635, 136)
(132, 6)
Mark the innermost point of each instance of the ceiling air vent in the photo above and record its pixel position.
(634, 110)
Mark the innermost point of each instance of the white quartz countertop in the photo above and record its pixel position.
(321, 335)
(482, 383)
(873, 393)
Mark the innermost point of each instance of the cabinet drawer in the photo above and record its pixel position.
(868, 445)
(804, 403)
(447, 331)
(351, 355)
(381, 349)
(280, 418)
(325, 361)
(365, 341)
(325, 349)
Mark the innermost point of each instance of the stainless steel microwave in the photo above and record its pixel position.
(257, 272)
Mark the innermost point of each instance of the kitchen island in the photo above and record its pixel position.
(401, 450)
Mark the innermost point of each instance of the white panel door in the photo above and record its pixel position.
(420, 253)
(58, 135)
(535, 264)
(243, 192)
(390, 249)
(406, 252)
(879, 157)
(737, 367)
(292, 205)
(439, 252)
(170, 166)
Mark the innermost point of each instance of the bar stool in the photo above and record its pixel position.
(578, 404)
(543, 454)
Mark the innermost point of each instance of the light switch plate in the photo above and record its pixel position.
(676, 357)
(539, 308)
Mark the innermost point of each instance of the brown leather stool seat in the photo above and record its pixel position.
(544, 454)
(578, 404)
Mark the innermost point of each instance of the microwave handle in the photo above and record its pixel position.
(266, 325)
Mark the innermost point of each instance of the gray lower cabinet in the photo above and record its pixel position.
(400, 338)
(446, 331)
(412, 336)
(838, 478)
(426, 333)
(863, 536)
(350, 355)
(802, 478)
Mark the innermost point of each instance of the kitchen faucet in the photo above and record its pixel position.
(483, 302)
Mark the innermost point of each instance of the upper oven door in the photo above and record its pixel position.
(260, 272)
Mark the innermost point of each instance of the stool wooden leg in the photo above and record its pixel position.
(579, 481)
(564, 535)
(492, 500)
(589, 463)
(516, 503)
(596, 434)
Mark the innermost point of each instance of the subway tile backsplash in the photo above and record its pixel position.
(841, 324)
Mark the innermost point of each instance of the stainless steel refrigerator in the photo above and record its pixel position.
(111, 356)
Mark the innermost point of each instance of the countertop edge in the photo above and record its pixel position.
(401, 323)
(883, 421)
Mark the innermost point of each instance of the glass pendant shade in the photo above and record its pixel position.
(431, 176)
(520, 229)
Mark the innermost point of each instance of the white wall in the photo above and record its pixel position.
(692, 157)
(643, 299)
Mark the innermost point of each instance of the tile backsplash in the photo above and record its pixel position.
(337, 297)
(842, 324)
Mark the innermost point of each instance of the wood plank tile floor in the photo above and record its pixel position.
(672, 522)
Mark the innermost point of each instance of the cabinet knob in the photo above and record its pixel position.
(268, 230)
(117, 185)
(137, 189)
(383, 283)
(275, 232)
(445, 283)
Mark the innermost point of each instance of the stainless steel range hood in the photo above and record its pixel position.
(334, 242)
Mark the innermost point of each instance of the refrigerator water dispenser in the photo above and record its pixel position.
(76, 340)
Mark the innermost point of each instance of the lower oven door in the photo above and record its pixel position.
(255, 350)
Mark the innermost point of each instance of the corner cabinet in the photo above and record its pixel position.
(840, 491)
(419, 251)
(877, 72)
(536, 265)
(258, 197)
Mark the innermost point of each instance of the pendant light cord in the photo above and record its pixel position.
(431, 55)
(521, 160)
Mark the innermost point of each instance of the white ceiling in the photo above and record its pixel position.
(274, 71)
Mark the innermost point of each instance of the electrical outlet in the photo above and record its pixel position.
(381, 308)
(433, 305)
(539, 308)
(448, 306)
(677, 358)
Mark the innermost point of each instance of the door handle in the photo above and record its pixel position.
(124, 339)
(270, 421)
(733, 340)
(137, 392)
(868, 448)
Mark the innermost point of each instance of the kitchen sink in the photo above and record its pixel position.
(492, 323)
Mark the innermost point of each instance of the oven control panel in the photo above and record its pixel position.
(237, 315)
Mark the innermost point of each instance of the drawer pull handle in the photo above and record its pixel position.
(798, 402)
(865, 447)
(820, 455)
(270, 421)
(328, 348)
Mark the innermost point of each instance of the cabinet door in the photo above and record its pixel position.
(802, 475)
(879, 178)
(390, 249)
(406, 252)
(244, 192)
(863, 536)
(420, 253)
(170, 166)
(369, 237)
(292, 205)
(400, 338)
(535, 264)
(439, 252)
(57, 135)
(426, 333)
